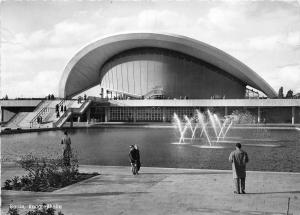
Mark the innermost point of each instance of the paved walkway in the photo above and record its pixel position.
(166, 191)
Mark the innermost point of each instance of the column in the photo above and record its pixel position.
(88, 115)
(134, 114)
(164, 114)
(258, 114)
(1, 116)
(226, 111)
(71, 121)
(293, 115)
(107, 114)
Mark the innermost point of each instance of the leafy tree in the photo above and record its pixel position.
(280, 93)
(289, 94)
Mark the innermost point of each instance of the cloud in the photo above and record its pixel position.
(162, 19)
(287, 76)
(279, 41)
(235, 28)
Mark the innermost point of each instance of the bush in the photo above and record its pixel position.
(13, 211)
(43, 174)
(239, 117)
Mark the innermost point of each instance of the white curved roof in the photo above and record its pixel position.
(82, 71)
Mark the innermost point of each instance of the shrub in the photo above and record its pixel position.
(13, 211)
(43, 173)
(7, 185)
(239, 117)
(46, 174)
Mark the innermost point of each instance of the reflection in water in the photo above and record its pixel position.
(110, 146)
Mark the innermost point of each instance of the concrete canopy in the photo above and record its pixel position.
(83, 70)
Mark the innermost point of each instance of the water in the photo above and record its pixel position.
(199, 121)
(269, 150)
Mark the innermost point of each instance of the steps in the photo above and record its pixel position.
(43, 109)
(14, 122)
(74, 108)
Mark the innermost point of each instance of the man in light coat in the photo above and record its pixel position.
(239, 158)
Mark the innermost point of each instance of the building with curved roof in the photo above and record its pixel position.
(152, 64)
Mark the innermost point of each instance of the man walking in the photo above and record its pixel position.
(133, 159)
(239, 158)
(67, 153)
(138, 157)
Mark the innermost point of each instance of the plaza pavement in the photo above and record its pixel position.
(165, 191)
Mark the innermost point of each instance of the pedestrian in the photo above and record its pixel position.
(56, 108)
(57, 114)
(133, 159)
(65, 108)
(67, 153)
(61, 108)
(138, 157)
(239, 158)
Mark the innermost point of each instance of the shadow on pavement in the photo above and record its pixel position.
(275, 192)
(185, 173)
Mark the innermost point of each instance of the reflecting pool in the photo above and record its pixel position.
(268, 150)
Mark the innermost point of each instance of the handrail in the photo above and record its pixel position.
(38, 106)
(36, 116)
(42, 111)
(45, 109)
(62, 117)
(61, 102)
(72, 110)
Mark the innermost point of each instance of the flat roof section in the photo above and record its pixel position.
(19, 103)
(208, 103)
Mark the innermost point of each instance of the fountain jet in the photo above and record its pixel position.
(213, 124)
(181, 130)
(189, 123)
(201, 121)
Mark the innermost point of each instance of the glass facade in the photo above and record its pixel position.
(165, 114)
(148, 114)
(142, 71)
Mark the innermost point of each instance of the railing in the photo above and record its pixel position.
(69, 113)
(65, 116)
(84, 105)
(40, 113)
(61, 102)
(43, 111)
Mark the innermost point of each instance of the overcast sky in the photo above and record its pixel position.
(39, 38)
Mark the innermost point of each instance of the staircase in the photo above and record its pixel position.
(44, 109)
(155, 92)
(14, 122)
(75, 108)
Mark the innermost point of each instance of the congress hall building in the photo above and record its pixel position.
(147, 77)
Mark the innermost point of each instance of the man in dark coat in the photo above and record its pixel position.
(239, 158)
(133, 156)
(137, 157)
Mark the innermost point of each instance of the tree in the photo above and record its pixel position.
(280, 93)
(289, 94)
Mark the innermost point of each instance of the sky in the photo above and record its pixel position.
(38, 38)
